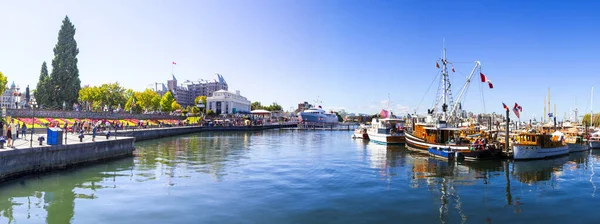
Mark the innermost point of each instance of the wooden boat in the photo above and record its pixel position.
(442, 128)
(576, 143)
(387, 131)
(539, 146)
(481, 151)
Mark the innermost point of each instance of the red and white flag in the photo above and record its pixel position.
(516, 110)
(174, 63)
(483, 78)
(490, 84)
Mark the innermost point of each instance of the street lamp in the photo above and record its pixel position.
(33, 106)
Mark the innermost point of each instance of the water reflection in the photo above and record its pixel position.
(56, 193)
(207, 153)
(277, 169)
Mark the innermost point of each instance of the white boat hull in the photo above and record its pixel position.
(537, 152)
(595, 144)
(386, 139)
(574, 147)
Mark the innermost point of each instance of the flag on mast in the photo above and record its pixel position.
(453, 69)
(505, 107)
(483, 78)
(437, 65)
(174, 63)
(490, 84)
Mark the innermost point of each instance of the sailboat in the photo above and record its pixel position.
(440, 133)
(594, 137)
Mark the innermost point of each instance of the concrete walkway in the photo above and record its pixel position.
(24, 143)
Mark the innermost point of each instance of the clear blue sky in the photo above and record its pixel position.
(349, 54)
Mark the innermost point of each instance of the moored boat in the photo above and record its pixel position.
(577, 143)
(318, 115)
(595, 141)
(539, 146)
(443, 127)
(361, 133)
(443, 152)
(387, 131)
(481, 151)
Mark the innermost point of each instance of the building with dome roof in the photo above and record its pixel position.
(11, 97)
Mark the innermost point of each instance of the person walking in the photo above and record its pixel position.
(23, 130)
(9, 134)
(18, 127)
(94, 133)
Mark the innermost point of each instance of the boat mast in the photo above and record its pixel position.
(592, 107)
(446, 85)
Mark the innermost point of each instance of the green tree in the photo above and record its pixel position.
(210, 113)
(255, 106)
(273, 107)
(195, 110)
(147, 100)
(340, 118)
(112, 95)
(41, 94)
(200, 99)
(91, 95)
(3, 82)
(65, 83)
(166, 102)
(175, 106)
(586, 119)
(156, 102)
(131, 105)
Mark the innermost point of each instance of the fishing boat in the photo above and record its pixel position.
(576, 143)
(481, 151)
(361, 133)
(539, 146)
(441, 128)
(387, 131)
(595, 140)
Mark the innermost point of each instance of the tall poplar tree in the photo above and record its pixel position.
(42, 95)
(65, 74)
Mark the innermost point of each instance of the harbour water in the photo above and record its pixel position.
(284, 176)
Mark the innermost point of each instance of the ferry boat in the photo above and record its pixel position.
(361, 133)
(539, 146)
(387, 131)
(577, 143)
(318, 115)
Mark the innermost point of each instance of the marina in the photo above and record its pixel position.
(310, 177)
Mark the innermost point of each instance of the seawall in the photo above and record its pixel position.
(22, 161)
(19, 162)
(146, 134)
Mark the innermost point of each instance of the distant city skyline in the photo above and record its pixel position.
(347, 54)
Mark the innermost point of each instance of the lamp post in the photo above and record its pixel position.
(33, 105)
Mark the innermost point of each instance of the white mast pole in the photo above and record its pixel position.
(592, 107)
(444, 74)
